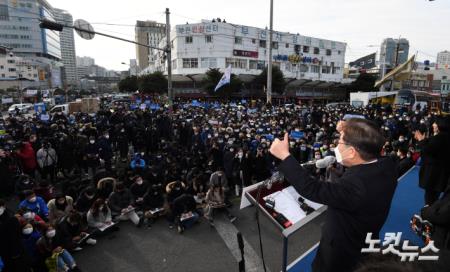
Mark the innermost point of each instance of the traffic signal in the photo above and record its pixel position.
(47, 24)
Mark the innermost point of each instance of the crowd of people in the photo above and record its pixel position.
(75, 177)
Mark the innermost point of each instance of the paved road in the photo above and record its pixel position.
(201, 248)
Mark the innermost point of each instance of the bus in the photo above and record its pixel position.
(417, 100)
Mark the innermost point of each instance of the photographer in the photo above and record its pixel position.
(358, 202)
(47, 160)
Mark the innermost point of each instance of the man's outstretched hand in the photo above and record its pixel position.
(280, 149)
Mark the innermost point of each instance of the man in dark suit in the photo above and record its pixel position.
(358, 202)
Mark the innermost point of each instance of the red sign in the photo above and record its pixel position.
(247, 54)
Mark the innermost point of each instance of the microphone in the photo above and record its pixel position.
(276, 177)
(325, 162)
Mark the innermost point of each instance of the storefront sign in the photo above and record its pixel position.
(247, 54)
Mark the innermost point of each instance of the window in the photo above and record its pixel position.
(190, 63)
(305, 49)
(253, 41)
(188, 39)
(335, 70)
(261, 64)
(236, 63)
(262, 43)
(34, 75)
(238, 40)
(208, 39)
(339, 52)
(275, 45)
(12, 69)
(11, 61)
(208, 62)
(287, 45)
(2, 67)
(315, 69)
(253, 65)
(3, 75)
(328, 52)
(4, 14)
(326, 69)
(316, 50)
(297, 49)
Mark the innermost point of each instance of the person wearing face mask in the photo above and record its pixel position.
(11, 248)
(72, 231)
(56, 258)
(35, 204)
(434, 171)
(153, 203)
(23, 184)
(121, 203)
(122, 144)
(92, 156)
(358, 202)
(105, 150)
(85, 200)
(30, 236)
(138, 189)
(47, 160)
(59, 207)
(99, 215)
(404, 162)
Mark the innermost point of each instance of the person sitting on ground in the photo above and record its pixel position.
(35, 204)
(99, 215)
(85, 200)
(30, 236)
(51, 250)
(153, 203)
(139, 189)
(105, 187)
(184, 212)
(215, 200)
(73, 232)
(121, 203)
(28, 217)
(59, 207)
(174, 189)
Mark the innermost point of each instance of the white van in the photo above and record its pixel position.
(64, 108)
(23, 108)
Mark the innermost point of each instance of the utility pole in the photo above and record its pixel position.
(169, 60)
(269, 62)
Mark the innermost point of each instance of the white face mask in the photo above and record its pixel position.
(28, 215)
(92, 141)
(33, 199)
(338, 155)
(51, 233)
(2, 210)
(139, 182)
(27, 231)
(107, 136)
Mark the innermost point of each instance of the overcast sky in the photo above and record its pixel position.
(359, 23)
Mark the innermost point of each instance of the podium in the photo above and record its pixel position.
(251, 193)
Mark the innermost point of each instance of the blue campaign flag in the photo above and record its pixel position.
(39, 108)
(195, 103)
(148, 102)
(269, 137)
(225, 78)
(133, 106)
(138, 101)
(252, 110)
(243, 101)
(297, 135)
(154, 106)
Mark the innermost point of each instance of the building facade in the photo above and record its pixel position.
(394, 51)
(443, 60)
(211, 44)
(85, 61)
(20, 32)
(148, 33)
(68, 53)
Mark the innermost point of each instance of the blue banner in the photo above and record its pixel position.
(297, 134)
(39, 108)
